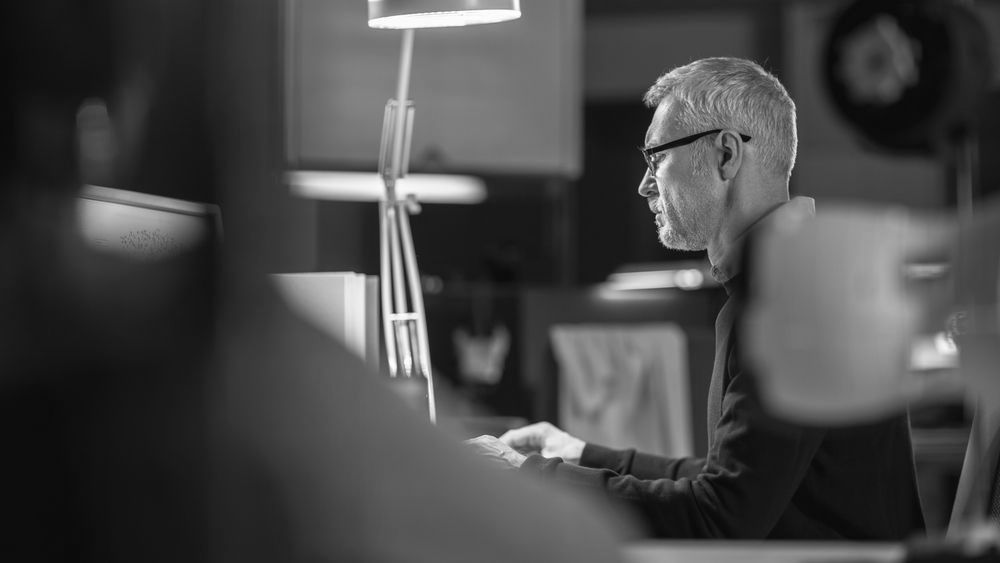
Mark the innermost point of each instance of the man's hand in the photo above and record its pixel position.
(497, 451)
(546, 439)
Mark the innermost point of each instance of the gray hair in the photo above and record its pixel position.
(723, 93)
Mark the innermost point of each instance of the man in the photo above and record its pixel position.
(719, 151)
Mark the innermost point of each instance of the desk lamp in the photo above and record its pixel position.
(404, 322)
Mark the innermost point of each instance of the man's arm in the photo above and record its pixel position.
(550, 441)
(641, 465)
(744, 487)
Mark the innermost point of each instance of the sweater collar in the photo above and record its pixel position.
(727, 266)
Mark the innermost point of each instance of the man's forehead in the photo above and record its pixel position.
(661, 126)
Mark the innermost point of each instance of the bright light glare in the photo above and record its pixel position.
(933, 352)
(688, 279)
(368, 186)
(655, 279)
(444, 19)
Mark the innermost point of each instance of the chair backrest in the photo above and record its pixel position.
(542, 309)
(625, 386)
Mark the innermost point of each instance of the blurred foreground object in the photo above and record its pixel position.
(329, 465)
(837, 305)
(858, 286)
(842, 308)
(174, 409)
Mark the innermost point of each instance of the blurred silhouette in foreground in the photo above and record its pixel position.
(173, 409)
(859, 287)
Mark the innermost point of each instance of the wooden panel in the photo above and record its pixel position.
(504, 97)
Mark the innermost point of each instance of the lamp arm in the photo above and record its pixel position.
(385, 289)
(402, 91)
(417, 300)
(391, 286)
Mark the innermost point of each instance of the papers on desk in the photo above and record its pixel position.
(344, 305)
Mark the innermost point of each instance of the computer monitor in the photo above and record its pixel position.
(144, 227)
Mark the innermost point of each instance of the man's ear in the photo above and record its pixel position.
(730, 148)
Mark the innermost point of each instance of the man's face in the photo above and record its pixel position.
(683, 193)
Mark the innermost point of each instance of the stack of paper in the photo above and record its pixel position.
(344, 305)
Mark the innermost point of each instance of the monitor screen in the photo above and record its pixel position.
(143, 227)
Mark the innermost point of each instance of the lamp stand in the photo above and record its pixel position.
(404, 322)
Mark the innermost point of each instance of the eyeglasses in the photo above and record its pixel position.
(647, 154)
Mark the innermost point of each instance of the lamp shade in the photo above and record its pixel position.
(410, 14)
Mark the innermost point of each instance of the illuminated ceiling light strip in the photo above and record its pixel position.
(368, 186)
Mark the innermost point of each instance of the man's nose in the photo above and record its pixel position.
(647, 187)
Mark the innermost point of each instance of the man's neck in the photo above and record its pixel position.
(742, 214)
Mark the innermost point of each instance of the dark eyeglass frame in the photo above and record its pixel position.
(647, 154)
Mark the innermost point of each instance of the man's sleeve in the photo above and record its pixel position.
(640, 465)
(745, 485)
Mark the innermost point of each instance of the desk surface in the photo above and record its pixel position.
(761, 552)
